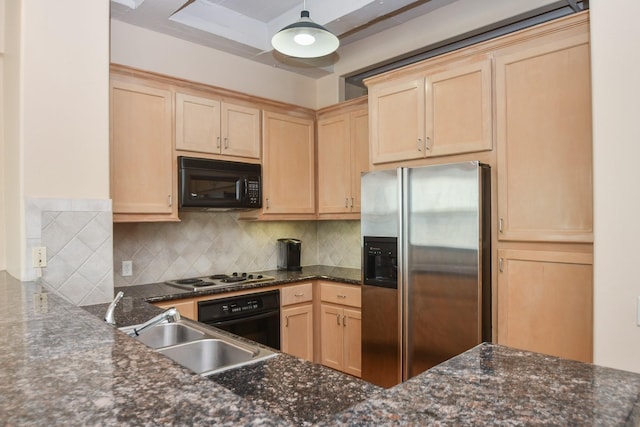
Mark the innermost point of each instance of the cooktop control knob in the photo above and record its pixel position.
(250, 276)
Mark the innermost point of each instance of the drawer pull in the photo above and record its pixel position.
(342, 296)
(298, 295)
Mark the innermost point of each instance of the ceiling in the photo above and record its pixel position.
(244, 27)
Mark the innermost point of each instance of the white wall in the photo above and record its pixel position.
(151, 51)
(3, 233)
(13, 239)
(441, 24)
(56, 109)
(615, 37)
(66, 98)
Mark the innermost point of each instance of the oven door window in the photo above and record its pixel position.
(264, 328)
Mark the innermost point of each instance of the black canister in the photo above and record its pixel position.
(289, 254)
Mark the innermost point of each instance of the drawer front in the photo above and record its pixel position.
(296, 294)
(340, 294)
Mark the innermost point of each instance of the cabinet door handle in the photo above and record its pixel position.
(419, 144)
(500, 222)
(286, 321)
(338, 319)
(500, 263)
(344, 321)
(170, 201)
(267, 203)
(218, 142)
(346, 202)
(427, 143)
(352, 203)
(226, 143)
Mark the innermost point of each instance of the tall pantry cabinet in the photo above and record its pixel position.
(545, 192)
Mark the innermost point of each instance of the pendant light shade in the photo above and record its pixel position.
(305, 39)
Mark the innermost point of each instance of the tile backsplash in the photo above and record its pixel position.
(206, 243)
(78, 236)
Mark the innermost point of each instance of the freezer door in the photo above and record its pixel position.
(441, 264)
(380, 336)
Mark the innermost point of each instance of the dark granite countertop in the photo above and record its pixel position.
(158, 292)
(62, 365)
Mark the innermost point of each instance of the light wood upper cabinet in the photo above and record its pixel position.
(288, 165)
(396, 120)
(458, 110)
(543, 97)
(208, 125)
(143, 171)
(545, 302)
(343, 147)
(447, 110)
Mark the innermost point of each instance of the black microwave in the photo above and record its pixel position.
(206, 184)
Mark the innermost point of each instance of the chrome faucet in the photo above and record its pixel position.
(109, 316)
(169, 315)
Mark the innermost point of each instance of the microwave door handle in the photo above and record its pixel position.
(246, 187)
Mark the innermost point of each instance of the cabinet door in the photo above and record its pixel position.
(197, 124)
(352, 326)
(359, 153)
(334, 164)
(297, 331)
(545, 302)
(397, 121)
(187, 309)
(458, 110)
(289, 165)
(331, 336)
(543, 97)
(142, 167)
(240, 131)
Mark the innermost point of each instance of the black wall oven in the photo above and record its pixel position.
(254, 316)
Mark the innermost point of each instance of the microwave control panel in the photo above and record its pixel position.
(253, 192)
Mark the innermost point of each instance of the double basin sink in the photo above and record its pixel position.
(199, 348)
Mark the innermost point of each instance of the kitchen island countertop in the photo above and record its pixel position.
(61, 365)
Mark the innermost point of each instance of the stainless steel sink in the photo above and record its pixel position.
(198, 347)
(208, 355)
(169, 334)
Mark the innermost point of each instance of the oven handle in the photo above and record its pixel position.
(242, 319)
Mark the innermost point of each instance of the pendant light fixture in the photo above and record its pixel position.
(305, 39)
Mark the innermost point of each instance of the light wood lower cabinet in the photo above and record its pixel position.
(340, 328)
(296, 325)
(545, 302)
(187, 308)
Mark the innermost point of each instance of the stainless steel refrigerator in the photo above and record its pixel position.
(426, 293)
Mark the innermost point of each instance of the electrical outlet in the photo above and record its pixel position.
(39, 256)
(127, 268)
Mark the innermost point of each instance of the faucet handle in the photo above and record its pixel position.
(109, 317)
